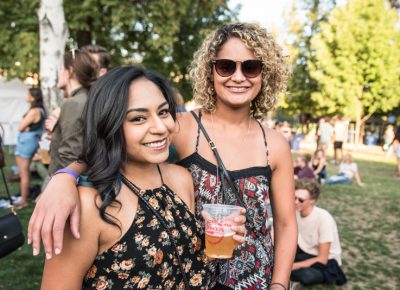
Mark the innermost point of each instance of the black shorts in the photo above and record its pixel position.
(338, 144)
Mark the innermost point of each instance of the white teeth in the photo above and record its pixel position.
(238, 89)
(156, 144)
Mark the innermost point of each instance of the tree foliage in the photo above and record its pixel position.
(160, 34)
(301, 85)
(357, 60)
(19, 39)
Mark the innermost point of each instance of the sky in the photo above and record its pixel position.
(268, 13)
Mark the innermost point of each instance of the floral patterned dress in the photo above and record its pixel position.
(251, 264)
(144, 258)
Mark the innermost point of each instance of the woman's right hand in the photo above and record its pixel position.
(55, 204)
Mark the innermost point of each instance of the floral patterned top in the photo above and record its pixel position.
(144, 258)
(251, 264)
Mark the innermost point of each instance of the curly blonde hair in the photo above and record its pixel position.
(274, 73)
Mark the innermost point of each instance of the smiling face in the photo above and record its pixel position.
(236, 90)
(304, 201)
(148, 123)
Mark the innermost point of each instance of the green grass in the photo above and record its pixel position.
(367, 218)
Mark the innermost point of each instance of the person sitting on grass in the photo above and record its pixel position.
(318, 164)
(318, 256)
(347, 170)
(301, 168)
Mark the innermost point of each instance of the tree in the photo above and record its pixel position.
(357, 61)
(160, 34)
(53, 35)
(19, 38)
(301, 85)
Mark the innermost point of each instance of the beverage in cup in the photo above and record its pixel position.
(44, 147)
(45, 156)
(219, 236)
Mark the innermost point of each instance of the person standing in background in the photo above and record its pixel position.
(396, 147)
(79, 72)
(339, 138)
(325, 134)
(30, 128)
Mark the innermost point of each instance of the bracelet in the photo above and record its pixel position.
(279, 284)
(68, 171)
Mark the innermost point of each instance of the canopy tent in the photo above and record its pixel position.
(12, 107)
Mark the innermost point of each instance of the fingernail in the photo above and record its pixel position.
(48, 256)
(79, 235)
(29, 241)
(35, 252)
(57, 251)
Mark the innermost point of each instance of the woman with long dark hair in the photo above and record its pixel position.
(138, 224)
(30, 129)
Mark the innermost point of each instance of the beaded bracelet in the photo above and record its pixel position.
(279, 284)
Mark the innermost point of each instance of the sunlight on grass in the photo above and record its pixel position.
(367, 219)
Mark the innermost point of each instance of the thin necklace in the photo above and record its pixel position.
(241, 143)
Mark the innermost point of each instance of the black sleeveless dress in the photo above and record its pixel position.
(145, 257)
(252, 262)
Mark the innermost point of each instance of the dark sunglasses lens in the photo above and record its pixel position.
(225, 67)
(251, 68)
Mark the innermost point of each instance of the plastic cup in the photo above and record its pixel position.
(45, 156)
(219, 236)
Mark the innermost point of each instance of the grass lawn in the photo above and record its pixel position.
(367, 218)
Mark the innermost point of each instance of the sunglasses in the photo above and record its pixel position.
(227, 67)
(301, 200)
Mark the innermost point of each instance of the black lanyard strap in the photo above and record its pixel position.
(161, 219)
(219, 161)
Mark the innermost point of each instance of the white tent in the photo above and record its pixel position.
(12, 107)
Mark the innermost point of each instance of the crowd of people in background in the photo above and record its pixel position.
(317, 259)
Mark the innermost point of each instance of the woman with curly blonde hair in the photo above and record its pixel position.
(237, 74)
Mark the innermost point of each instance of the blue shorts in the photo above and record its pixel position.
(27, 144)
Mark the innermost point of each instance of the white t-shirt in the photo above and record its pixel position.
(349, 169)
(340, 131)
(317, 228)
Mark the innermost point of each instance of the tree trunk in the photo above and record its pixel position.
(359, 113)
(53, 35)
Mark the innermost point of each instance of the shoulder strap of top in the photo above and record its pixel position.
(265, 140)
(159, 171)
(198, 129)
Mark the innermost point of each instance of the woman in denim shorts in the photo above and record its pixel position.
(30, 129)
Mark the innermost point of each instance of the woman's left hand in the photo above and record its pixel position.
(240, 228)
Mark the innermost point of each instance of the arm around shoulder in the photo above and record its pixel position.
(57, 202)
(67, 270)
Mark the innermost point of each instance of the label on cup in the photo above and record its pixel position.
(217, 230)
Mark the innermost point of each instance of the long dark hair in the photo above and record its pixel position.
(36, 93)
(104, 149)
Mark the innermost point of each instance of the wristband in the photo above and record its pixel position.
(279, 284)
(68, 171)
